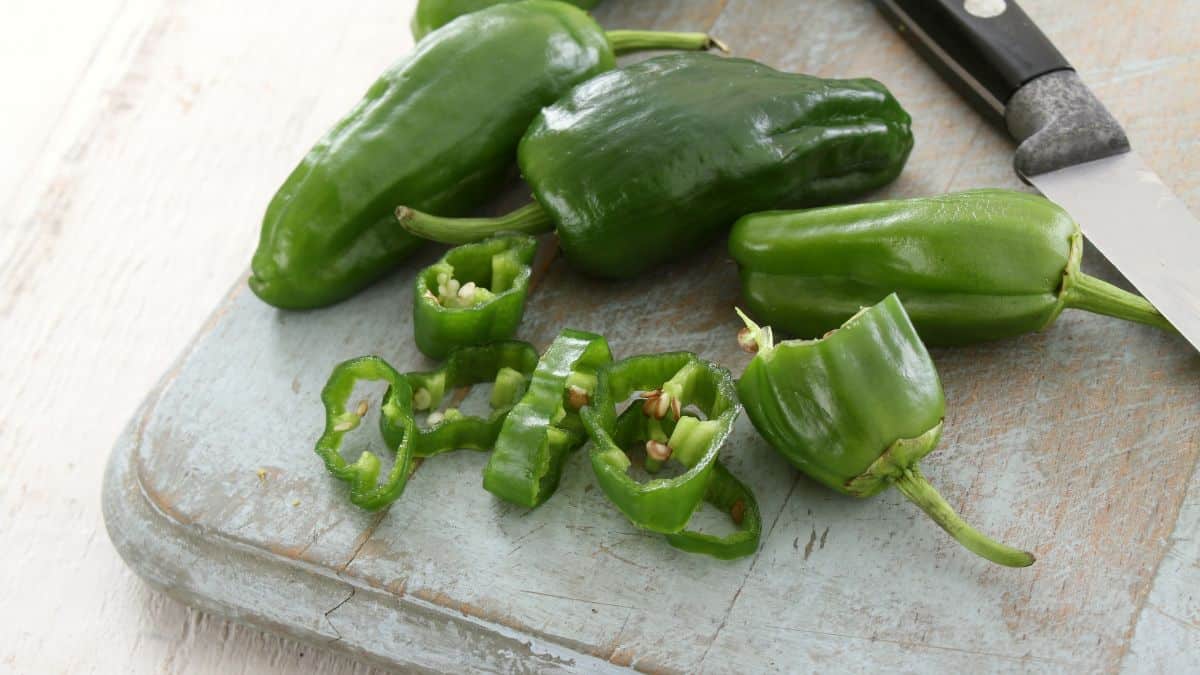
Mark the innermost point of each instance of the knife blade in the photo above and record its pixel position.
(1070, 147)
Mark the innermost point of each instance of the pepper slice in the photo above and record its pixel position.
(725, 492)
(673, 382)
(544, 425)
(509, 364)
(856, 410)
(396, 425)
(474, 295)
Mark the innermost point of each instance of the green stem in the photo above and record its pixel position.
(1101, 297)
(626, 41)
(914, 486)
(530, 219)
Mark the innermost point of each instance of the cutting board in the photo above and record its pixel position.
(1078, 442)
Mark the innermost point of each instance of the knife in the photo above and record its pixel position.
(1069, 146)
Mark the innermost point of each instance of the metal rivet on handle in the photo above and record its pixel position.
(985, 9)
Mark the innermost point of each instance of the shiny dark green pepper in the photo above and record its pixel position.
(651, 161)
(439, 130)
(433, 14)
(970, 266)
(474, 295)
(856, 410)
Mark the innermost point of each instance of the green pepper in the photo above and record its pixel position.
(474, 295)
(396, 422)
(856, 410)
(970, 266)
(433, 14)
(544, 426)
(438, 130)
(672, 384)
(509, 364)
(650, 162)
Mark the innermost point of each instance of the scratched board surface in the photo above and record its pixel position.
(1078, 443)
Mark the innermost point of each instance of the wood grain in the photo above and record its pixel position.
(139, 162)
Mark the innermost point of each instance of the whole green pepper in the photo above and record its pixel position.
(651, 161)
(544, 426)
(438, 130)
(970, 266)
(474, 295)
(856, 410)
(433, 14)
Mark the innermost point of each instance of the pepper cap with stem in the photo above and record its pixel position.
(856, 410)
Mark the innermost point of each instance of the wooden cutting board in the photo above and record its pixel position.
(1079, 443)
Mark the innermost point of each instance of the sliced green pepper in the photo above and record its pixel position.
(508, 364)
(396, 422)
(673, 383)
(638, 426)
(433, 14)
(474, 295)
(856, 410)
(438, 131)
(544, 426)
(971, 266)
(651, 161)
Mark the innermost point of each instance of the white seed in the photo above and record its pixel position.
(344, 425)
(442, 278)
(676, 407)
(435, 418)
(746, 341)
(662, 405)
(658, 451)
(467, 292)
(452, 287)
(422, 399)
(362, 408)
(577, 396)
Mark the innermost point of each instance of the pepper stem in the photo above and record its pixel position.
(1094, 295)
(626, 41)
(529, 219)
(913, 484)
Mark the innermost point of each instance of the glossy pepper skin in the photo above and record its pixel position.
(544, 426)
(396, 425)
(438, 130)
(433, 14)
(670, 384)
(474, 295)
(651, 161)
(969, 267)
(856, 410)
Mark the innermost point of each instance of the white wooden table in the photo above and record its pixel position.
(140, 140)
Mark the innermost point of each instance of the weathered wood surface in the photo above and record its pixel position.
(158, 143)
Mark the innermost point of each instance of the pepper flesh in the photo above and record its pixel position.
(433, 14)
(509, 364)
(474, 295)
(724, 491)
(856, 410)
(543, 427)
(649, 162)
(439, 131)
(396, 425)
(662, 504)
(969, 267)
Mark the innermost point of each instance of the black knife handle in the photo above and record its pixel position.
(990, 46)
(1005, 65)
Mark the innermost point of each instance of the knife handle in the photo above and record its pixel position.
(1004, 64)
(990, 48)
